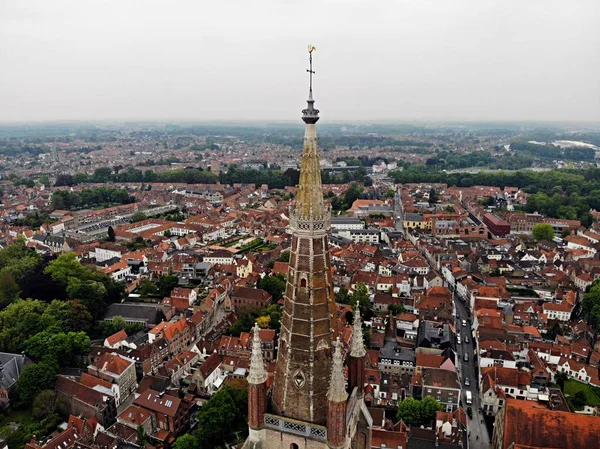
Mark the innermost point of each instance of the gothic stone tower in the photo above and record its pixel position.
(309, 407)
(304, 356)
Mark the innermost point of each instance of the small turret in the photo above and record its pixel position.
(357, 345)
(258, 374)
(356, 363)
(336, 397)
(257, 392)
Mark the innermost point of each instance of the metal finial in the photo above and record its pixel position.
(311, 48)
(310, 115)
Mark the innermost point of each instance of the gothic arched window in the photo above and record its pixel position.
(294, 446)
(303, 282)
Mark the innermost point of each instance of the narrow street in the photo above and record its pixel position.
(478, 433)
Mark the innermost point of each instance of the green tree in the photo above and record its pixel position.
(138, 216)
(396, 308)
(143, 438)
(579, 399)
(44, 180)
(274, 285)
(187, 441)
(390, 193)
(34, 379)
(342, 296)
(590, 305)
(70, 316)
(560, 378)
(433, 196)
(243, 324)
(57, 347)
(216, 416)
(166, 283)
(118, 323)
(147, 288)
(543, 231)
(429, 407)
(352, 194)
(9, 289)
(418, 413)
(285, 256)
(19, 260)
(92, 294)
(66, 266)
(274, 314)
(44, 404)
(102, 174)
(409, 411)
(20, 320)
(361, 294)
(111, 234)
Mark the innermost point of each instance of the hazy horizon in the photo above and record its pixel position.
(237, 61)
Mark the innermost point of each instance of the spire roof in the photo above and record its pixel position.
(357, 346)
(257, 374)
(309, 201)
(337, 386)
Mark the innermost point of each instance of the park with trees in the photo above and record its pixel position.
(48, 312)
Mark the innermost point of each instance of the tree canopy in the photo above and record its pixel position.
(418, 412)
(274, 285)
(543, 231)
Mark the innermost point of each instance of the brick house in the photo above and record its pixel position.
(172, 414)
(78, 399)
(443, 386)
(247, 300)
(116, 369)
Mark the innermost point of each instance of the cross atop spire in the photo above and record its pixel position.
(311, 48)
(310, 115)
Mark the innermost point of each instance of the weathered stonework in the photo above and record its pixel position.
(304, 356)
(309, 407)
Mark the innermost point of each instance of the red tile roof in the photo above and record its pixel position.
(528, 423)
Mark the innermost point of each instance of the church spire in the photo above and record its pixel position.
(357, 346)
(257, 374)
(309, 203)
(307, 322)
(337, 387)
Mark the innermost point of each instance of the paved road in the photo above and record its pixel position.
(476, 426)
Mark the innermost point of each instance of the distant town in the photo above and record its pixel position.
(144, 279)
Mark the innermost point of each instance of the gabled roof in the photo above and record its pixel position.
(157, 402)
(531, 424)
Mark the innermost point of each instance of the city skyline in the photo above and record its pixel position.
(432, 61)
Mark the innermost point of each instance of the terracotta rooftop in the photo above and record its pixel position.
(530, 424)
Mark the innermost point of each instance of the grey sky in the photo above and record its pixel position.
(246, 59)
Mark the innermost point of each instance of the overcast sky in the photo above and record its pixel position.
(247, 59)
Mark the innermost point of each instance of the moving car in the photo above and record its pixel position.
(466, 358)
(467, 381)
(464, 323)
(458, 338)
(466, 339)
